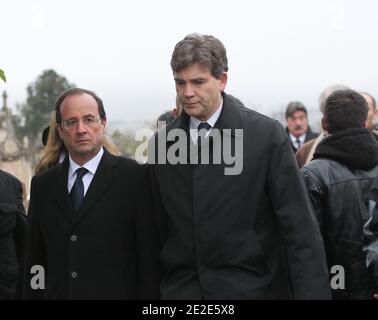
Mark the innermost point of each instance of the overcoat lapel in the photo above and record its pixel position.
(228, 120)
(60, 190)
(103, 178)
(182, 123)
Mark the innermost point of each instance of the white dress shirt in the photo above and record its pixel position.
(91, 166)
(194, 122)
(302, 139)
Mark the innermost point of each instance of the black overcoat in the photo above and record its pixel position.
(109, 250)
(247, 236)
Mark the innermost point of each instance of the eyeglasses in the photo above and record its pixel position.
(74, 123)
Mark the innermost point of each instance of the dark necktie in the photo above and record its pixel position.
(298, 141)
(203, 128)
(77, 191)
(204, 125)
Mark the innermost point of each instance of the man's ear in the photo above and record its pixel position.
(223, 81)
(103, 123)
(59, 129)
(324, 125)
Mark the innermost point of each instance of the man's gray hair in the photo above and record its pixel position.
(294, 107)
(327, 92)
(205, 50)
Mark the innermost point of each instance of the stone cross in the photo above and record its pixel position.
(5, 96)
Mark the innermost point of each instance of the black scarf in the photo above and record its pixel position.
(357, 148)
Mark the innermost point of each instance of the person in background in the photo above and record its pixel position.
(45, 135)
(338, 181)
(297, 128)
(13, 232)
(164, 119)
(372, 114)
(168, 116)
(305, 153)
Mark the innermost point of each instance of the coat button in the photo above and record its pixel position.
(73, 238)
(73, 275)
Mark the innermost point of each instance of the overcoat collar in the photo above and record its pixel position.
(229, 119)
(104, 177)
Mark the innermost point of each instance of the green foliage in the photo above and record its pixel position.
(41, 97)
(2, 76)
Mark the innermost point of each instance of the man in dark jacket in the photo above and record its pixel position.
(13, 229)
(92, 228)
(235, 221)
(298, 130)
(339, 180)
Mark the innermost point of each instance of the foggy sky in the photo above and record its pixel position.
(278, 51)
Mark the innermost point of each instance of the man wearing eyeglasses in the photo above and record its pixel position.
(92, 235)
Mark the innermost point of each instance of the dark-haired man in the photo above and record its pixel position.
(339, 179)
(92, 232)
(239, 229)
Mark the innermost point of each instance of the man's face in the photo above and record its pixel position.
(297, 123)
(81, 130)
(198, 91)
(372, 113)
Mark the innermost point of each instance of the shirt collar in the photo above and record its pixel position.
(301, 138)
(194, 122)
(90, 165)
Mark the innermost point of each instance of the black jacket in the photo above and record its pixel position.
(110, 250)
(339, 182)
(13, 230)
(246, 236)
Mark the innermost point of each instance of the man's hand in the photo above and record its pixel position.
(376, 296)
